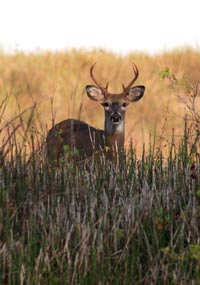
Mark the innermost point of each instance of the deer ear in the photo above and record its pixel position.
(94, 93)
(135, 93)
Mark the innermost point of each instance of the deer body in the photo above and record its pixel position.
(76, 134)
(86, 139)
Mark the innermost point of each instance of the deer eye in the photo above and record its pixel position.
(124, 105)
(105, 104)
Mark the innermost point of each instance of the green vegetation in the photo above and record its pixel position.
(130, 222)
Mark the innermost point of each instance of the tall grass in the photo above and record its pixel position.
(102, 223)
(133, 222)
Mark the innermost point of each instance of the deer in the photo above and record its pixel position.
(83, 140)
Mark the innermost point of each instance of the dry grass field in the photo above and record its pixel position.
(56, 83)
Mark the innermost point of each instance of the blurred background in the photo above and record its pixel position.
(118, 26)
(48, 47)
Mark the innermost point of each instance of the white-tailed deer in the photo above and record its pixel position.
(83, 140)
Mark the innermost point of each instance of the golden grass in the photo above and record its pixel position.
(61, 78)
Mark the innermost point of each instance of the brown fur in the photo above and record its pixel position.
(77, 135)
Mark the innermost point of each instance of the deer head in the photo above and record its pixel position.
(115, 104)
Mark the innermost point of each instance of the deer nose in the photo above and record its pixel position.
(116, 117)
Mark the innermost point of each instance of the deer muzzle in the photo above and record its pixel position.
(116, 118)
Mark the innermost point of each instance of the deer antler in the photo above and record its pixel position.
(103, 89)
(136, 73)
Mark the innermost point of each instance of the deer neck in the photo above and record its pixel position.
(114, 136)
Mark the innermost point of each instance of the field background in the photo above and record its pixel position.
(56, 82)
